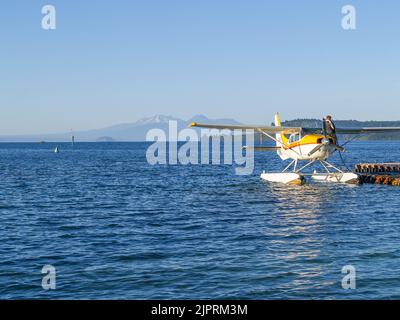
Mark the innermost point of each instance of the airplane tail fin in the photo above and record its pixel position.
(281, 139)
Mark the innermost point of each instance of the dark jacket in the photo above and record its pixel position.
(330, 127)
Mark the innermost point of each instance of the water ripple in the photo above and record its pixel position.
(116, 227)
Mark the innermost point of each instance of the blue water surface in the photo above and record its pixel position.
(116, 227)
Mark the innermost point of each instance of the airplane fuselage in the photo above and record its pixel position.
(309, 147)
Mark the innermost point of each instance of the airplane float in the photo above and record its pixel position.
(312, 145)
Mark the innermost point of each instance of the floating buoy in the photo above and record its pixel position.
(396, 182)
(368, 179)
(388, 180)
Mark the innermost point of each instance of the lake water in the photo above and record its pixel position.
(115, 227)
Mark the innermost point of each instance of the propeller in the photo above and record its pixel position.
(325, 141)
(315, 149)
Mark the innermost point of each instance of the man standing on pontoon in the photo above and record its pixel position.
(331, 129)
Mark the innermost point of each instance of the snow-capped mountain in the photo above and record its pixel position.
(159, 118)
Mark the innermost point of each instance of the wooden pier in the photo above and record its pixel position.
(379, 179)
(377, 167)
(379, 173)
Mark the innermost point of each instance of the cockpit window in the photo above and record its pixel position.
(294, 137)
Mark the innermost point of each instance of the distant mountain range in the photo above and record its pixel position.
(137, 131)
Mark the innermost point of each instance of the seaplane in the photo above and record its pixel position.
(306, 146)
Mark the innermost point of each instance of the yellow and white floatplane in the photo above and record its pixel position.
(311, 145)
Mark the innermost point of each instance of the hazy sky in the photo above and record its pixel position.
(118, 61)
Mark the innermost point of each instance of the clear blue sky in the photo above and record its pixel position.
(117, 61)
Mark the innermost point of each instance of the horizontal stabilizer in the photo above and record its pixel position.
(261, 148)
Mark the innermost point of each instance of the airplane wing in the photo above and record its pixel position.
(355, 130)
(278, 129)
(266, 129)
(367, 130)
